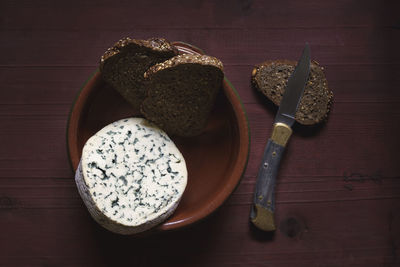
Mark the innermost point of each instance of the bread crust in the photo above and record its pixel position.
(184, 59)
(157, 44)
(270, 78)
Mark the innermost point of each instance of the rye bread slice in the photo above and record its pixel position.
(270, 77)
(123, 65)
(181, 93)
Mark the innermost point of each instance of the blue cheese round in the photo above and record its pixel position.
(131, 176)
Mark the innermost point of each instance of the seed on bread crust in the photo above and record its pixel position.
(271, 77)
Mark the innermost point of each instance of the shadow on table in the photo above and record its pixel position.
(260, 235)
(194, 244)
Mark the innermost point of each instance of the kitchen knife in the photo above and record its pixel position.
(262, 211)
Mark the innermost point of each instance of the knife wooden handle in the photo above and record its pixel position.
(262, 212)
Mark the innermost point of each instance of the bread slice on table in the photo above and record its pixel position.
(123, 65)
(181, 93)
(270, 77)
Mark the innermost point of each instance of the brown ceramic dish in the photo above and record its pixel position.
(215, 159)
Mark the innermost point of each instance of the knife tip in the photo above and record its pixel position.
(307, 49)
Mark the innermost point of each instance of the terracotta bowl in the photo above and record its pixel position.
(215, 159)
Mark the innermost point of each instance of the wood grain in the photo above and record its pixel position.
(338, 189)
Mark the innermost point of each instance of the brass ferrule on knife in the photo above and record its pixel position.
(281, 133)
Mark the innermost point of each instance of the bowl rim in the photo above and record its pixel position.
(240, 163)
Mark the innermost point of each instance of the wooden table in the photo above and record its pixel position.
(338, 192)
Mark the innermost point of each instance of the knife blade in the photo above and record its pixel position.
(262, 211)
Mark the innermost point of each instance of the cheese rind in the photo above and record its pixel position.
(131, 176)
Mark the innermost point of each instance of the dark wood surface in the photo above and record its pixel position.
(338, 190)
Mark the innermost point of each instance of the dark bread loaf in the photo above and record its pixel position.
(123, 65)
(181, 93)
(271, 77)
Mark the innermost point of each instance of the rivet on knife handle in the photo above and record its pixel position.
(262, 212)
